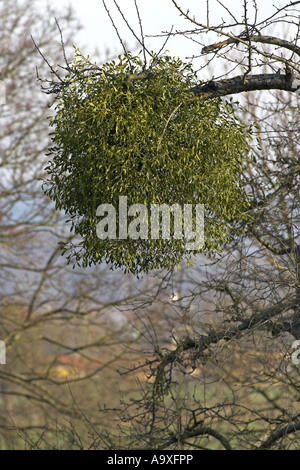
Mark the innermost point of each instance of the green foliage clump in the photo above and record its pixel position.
(122, 131)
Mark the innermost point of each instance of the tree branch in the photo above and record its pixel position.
(239, 84)
(203, 342)
(291, 46)
(195, 431)
(291, 428)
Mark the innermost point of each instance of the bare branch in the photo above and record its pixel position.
(260, 39)
(241, 84)
(279, 434)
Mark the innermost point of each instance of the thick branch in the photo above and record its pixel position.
(296, 317)
(291, 46)
(291, 428)
(276, 251)
(196, 431)
(242, 83)
(203, 342)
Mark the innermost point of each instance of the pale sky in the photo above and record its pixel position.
(157, 16)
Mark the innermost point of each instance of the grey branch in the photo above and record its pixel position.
(291, 46)
(242, 83)
(203, 342)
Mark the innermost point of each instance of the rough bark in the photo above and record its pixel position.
(291, 46)
(244, 83)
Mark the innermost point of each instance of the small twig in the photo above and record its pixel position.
(228, 11)
(116, 29)
(168, 120)
(162, 47)
(62, 43)
(207, 12)
(47, 62)
(87, 420)
(141, 42)
(249, 39)
(142, 34)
